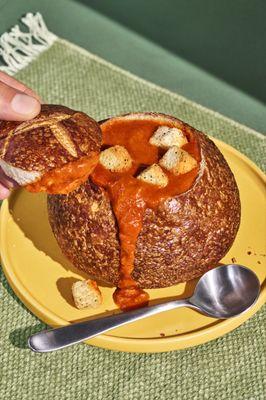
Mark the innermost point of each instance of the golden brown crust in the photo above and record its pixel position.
(85, 228)
(183, 238)
(57, 135)
(190, 233)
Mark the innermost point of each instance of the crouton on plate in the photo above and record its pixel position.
(86, 294)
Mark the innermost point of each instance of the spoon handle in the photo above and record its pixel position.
(58, 338)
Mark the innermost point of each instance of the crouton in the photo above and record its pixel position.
(166, 137)
(177, 161)
(86, 294)
(154, 175)
(116, 159)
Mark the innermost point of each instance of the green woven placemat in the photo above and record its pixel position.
(232, 367)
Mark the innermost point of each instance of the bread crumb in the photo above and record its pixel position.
(86, 294)
(94, 207)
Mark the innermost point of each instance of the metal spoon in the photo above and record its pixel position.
(223, 292)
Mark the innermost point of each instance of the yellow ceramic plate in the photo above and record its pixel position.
(42, 277)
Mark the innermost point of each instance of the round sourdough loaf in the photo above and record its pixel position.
(183, 238)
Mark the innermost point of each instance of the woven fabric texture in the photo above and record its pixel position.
(232, 367)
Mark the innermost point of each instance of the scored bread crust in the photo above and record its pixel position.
(186, 236)
(57, 136)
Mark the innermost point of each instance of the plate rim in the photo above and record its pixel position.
(137, 345)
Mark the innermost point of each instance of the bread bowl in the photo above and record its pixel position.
(135, 234)
(54, 152)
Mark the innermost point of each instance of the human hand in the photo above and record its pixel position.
(17, 103)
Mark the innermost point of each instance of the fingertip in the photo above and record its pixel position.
(4, 192)
(26, 106)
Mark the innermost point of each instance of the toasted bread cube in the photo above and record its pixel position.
(154, 175)
(177, 161)
(86, 294)
(171, 159)
(116, 159)
(166, 137)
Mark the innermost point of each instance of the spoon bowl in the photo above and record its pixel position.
(226, 291)
(223, 292)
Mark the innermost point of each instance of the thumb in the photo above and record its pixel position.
(16, 105)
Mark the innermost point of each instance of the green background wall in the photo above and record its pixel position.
(225, 37)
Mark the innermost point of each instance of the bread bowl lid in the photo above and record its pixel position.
(56, 136)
